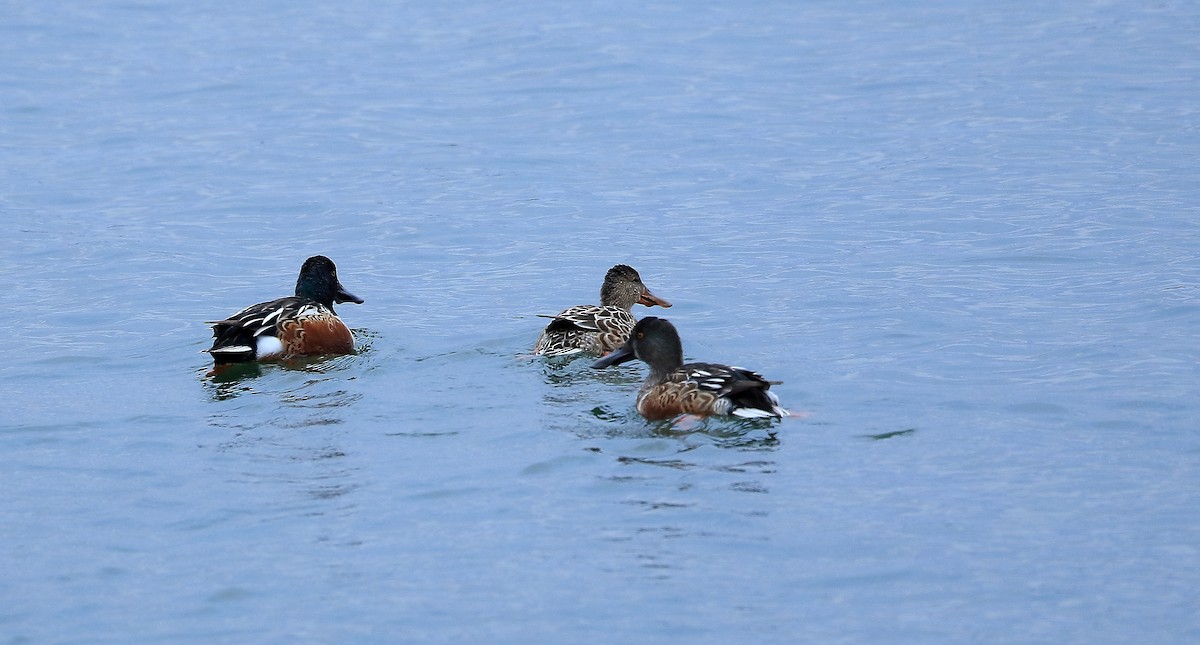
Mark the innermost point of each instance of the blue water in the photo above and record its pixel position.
(964, 236)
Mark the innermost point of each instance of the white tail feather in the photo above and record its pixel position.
(230, 349)
(751, 413)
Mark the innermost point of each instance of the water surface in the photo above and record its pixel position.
(964, 237)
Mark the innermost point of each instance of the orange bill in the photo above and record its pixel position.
(649, 299)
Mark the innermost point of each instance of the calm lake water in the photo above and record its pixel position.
(963, 235)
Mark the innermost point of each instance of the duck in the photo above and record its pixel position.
(599, 329)
(674, 388)
(301, 325)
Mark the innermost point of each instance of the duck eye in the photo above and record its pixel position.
(641, 335)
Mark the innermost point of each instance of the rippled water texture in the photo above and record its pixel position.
(963, 236)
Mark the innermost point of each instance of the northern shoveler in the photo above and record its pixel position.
(304, 324)
(702, 389)
(597, 329)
